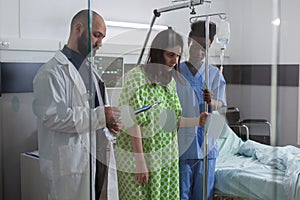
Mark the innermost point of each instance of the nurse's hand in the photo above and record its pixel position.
(207, 96)
(113, 120)
(141, 173)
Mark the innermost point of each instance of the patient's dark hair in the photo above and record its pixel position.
(162, 41)
(198, 30)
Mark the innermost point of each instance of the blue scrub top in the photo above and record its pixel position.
(190, 139)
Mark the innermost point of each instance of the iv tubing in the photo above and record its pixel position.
(220, 73)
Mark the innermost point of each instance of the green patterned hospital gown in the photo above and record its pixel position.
(159, 132)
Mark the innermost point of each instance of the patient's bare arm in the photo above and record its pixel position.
(188, 122)
(141, 169)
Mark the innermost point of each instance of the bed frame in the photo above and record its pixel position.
(217, 196)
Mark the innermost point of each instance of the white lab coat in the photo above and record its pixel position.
(62, 108)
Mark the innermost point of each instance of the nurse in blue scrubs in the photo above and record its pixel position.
(193, 93)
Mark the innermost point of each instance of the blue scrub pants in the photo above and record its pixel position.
(191, 179)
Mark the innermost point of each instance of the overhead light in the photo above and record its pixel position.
(134, 25)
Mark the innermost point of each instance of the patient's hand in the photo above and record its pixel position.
(141, 173)
(202, 118)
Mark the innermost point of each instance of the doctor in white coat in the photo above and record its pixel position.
(68, 123)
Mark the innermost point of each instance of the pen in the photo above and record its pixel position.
(145, 108)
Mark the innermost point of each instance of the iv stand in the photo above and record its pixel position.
(206, 110)
(157, 13)
(205, 140)
(221, 16)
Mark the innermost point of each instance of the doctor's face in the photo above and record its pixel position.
(98, 32)
(82, 43)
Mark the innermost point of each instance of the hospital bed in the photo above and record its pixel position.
(252, 170)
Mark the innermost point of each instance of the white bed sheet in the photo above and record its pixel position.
(245, 177)
(252, 177)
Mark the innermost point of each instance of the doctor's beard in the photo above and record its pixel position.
(82, 44)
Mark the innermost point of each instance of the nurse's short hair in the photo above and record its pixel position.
(198, 30)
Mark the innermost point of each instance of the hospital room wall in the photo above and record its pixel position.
(251, 44)
(33, 42)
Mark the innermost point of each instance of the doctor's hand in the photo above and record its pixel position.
(207, 95)
(113, 120)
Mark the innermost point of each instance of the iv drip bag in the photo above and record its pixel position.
(223, 33)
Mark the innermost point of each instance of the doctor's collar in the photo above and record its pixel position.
(75, 58)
